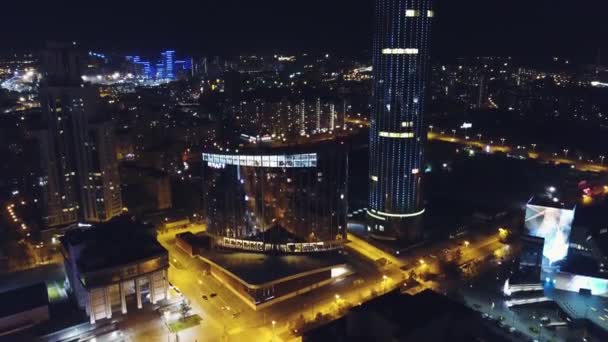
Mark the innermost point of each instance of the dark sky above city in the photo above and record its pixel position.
(464, 27)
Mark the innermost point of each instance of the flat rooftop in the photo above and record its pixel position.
(112, 244)
(23, 299)
(257, 268)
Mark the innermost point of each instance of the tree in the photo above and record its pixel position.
(456, 255)
(184, 309)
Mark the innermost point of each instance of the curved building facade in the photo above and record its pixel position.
(397, 131)
(282, 199)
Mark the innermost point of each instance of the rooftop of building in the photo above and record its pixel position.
(258, 269)
(583, 265)
(427, 304)
(23, 299)
(305, 144)
(407, 315)
(591, 224)
(121, 241)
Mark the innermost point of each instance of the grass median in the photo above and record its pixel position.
(182, 324)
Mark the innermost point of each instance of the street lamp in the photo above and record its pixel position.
(602, 159)
(503, 141)
(421, 261)
(566, 153)
(534, 147)
(273, 331)
(431, 128)
(453, 133)
(466, 243)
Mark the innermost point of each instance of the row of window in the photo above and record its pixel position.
(410, 13)
(400, 51)
(397, 135)
(294, 160)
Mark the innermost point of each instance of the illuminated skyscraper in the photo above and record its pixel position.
(169, 67)
(397, 132)
(79, 178)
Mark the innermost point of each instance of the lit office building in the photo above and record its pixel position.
(397, 131)
(286, 199)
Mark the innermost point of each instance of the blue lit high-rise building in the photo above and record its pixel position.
(165, 69)
(397, 132)
(148, 72)
(169, 67)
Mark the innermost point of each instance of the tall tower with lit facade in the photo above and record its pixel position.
(79, 177)
(397, 131)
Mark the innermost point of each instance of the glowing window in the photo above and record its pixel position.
(398, 51)
(397, 135)
(412, 13)
(430, 13)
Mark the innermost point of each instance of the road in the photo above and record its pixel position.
(581, 165)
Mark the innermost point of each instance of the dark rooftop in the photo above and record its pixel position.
(591, 222)
(23, 299)
(429, 306)
(256, 269)
(407, 318)
(582, 265)
(118, 242)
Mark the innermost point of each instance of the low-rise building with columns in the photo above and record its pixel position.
(115, 267)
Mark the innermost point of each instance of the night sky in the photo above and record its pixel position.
(464, 27)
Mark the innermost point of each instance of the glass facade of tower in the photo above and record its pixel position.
(397, 132)
(285, 199)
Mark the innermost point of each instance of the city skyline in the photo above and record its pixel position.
(313, 171)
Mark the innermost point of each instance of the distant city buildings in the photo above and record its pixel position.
(398, 132)
(291, 117)
(167, 68)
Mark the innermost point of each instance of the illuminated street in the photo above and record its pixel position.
(227, 318)
(497, 146)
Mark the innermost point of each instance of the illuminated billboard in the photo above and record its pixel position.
(553, 225)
